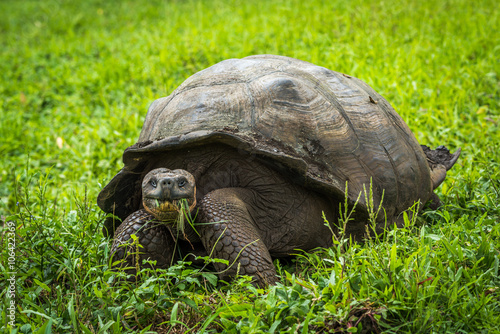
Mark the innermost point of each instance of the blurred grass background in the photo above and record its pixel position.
(76, 78)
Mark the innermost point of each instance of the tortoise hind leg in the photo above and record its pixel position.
(154, 238)
(440, 160)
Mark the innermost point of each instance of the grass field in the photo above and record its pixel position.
(75, 82)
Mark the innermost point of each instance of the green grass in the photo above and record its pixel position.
(75, 82)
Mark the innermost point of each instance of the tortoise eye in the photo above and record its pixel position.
(182, 183)
(153, 183)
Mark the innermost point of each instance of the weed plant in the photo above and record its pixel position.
(75, 82)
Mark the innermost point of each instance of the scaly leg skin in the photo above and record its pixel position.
(229, 233)
(155, 239)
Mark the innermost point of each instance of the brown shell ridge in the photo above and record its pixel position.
(318, 84)
(396, 174)
(184, 89)
(250, 95)
(326, 92)
(402, 127)
(252, 104)
(151, 123)
(382, 101)
(339, 187)
(323, 89)
(403, 133)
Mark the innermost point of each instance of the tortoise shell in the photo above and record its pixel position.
(322, 127)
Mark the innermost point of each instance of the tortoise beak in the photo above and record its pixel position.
(166, 210)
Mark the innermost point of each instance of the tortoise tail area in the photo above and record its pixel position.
(441, 156)
(440, 161)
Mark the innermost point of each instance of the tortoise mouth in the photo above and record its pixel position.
(167, 210)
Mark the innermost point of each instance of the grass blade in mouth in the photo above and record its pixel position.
(184, 215)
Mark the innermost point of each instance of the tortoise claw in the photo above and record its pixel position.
(453, 159)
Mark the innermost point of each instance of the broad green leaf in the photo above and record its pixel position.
(42, 285)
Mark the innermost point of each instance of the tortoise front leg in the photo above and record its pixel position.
(229, 232)
(155, 239)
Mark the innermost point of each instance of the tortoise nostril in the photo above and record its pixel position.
(166, 182)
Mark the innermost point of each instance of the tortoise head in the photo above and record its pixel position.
(165, 190)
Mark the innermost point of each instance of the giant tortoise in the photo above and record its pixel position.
(258, 150)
